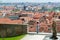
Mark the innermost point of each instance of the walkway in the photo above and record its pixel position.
(33, 37)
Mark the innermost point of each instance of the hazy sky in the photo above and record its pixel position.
(29, 1)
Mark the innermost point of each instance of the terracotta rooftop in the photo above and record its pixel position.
(37, 16)
(8, 21)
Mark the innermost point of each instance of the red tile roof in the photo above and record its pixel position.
(8, 21)
(37, 16)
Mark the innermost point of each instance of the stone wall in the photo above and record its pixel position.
(7, 30)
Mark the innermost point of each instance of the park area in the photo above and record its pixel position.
(13, 38)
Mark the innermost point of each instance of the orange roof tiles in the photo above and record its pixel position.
(37, 16)
(8, 21)
(27, 18)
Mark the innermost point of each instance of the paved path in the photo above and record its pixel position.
(33, 37)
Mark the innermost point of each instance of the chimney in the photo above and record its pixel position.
(4, 14)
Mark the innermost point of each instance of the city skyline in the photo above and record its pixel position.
(34, 1)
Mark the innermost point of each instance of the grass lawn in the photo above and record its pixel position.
(13, 38)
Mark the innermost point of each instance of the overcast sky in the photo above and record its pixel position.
(29, 1)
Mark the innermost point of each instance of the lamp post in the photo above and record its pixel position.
(37, 28)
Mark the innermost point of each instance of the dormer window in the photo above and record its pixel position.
(59, 17)
(23, 19)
